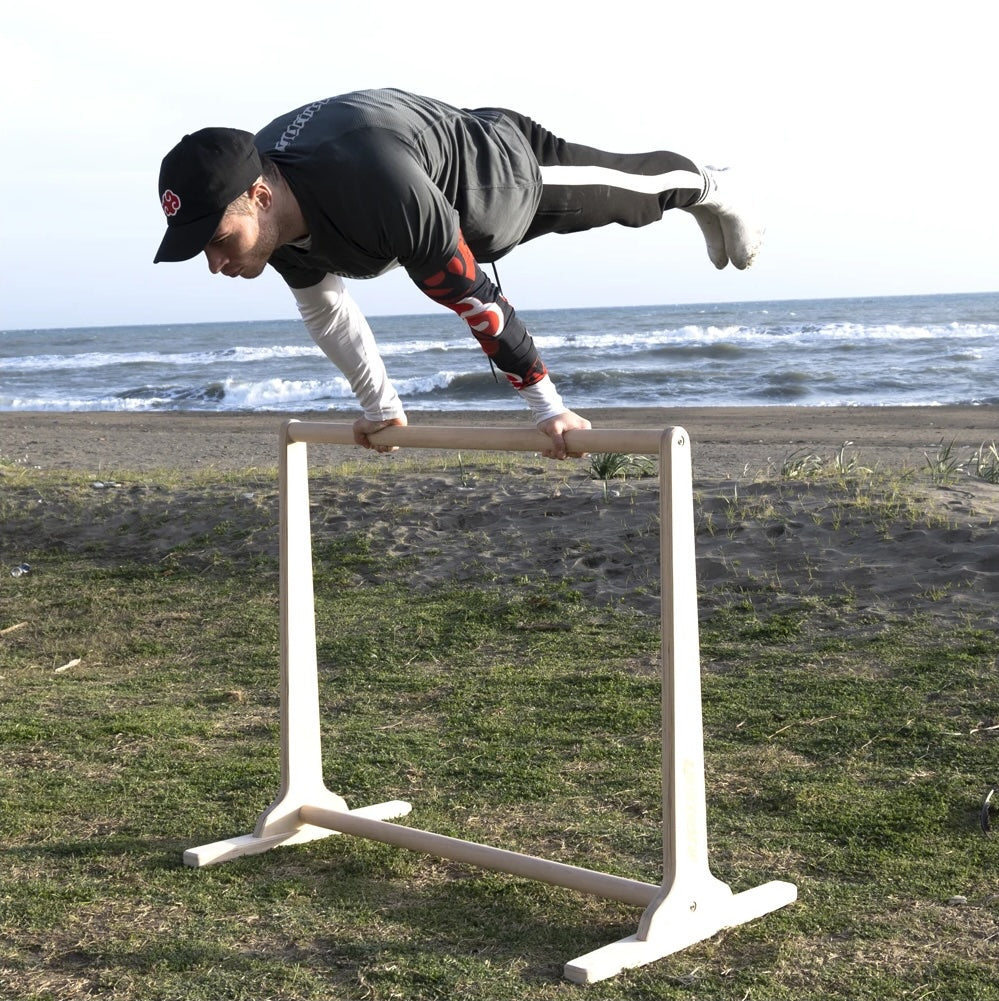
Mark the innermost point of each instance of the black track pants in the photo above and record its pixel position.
(586, 187)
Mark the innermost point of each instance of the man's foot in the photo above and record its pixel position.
(729, 234)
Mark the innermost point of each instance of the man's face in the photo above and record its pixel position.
(244, 240)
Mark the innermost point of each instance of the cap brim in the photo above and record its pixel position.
(181, 243)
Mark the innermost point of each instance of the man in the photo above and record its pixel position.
(354, 185)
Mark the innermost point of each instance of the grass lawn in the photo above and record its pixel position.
(849, 757)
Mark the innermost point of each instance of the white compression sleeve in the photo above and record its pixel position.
(543, 399)
(337, 325)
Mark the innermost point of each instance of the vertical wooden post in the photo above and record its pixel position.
(692, 904)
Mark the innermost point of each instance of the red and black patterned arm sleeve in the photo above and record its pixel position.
(463, 286)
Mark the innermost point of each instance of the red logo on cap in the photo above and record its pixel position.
(171, 203)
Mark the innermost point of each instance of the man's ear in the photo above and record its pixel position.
(260, 194)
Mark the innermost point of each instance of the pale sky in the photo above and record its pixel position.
(868, 127)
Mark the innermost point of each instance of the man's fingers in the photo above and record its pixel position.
(556, 428)
(363, 428)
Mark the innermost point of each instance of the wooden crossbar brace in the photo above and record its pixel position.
(690, 904)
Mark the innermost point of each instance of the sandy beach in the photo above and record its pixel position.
(727, 441)
(773, 540)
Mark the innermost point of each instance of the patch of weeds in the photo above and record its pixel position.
(943, 465)
(466, 476)
(618, 465)
(748, 506)
(985, 463)
(800, 465)
(844, 466)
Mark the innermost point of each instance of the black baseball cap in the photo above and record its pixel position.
(199, 177)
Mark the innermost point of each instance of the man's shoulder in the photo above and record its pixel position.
(367, 116)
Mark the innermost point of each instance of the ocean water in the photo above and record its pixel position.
(896, 350)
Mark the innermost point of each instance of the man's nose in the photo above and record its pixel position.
(216, 259)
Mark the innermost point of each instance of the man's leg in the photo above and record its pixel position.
(586, 187)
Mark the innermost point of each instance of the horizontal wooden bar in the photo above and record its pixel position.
(632, 441)
(599, 884)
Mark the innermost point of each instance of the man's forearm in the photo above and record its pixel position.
(462, 286)
(338, 326)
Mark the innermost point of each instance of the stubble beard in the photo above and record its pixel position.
(267, 243)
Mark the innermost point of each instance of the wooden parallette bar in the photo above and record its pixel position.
(483, 439)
